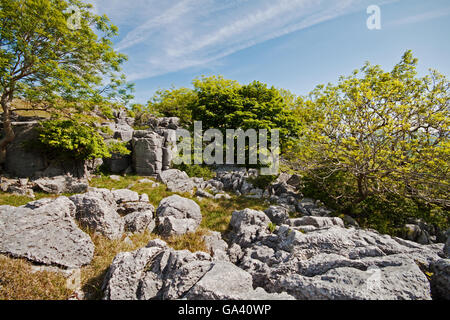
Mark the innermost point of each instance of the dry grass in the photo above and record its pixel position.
(17, 282)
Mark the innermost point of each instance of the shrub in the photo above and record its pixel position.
(118, 147)
(70, 139)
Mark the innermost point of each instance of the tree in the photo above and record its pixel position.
(173, 102)
(379, 134)
(225, 104)
(59, 70)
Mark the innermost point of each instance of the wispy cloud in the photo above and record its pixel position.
(171, 35)
(435, 14)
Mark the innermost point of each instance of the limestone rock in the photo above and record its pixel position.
(176, 181)
(97, 215)
(177, 216)
(45, 233)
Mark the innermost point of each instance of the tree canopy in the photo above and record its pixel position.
(65, 71)
(378, 133)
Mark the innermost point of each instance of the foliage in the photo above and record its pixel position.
(197, 171)
(225, 104)
(70, 139)
(385, 133)
(118, 147)
(272, 227)
(54, 68)
(141, 116)
(173, 102)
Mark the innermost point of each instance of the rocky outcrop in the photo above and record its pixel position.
(61, 184)
(147, 152)
(278, 215)
(45, 232)
(216, 246)
(329, 262)
(177, 216)
(21, 161)
(98, 214)
(140, 221)
(177, 181)
(160, 273)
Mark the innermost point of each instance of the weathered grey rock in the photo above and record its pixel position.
(61, 204)
(204, 194)
(22, 161)
(317, 222)
(125, 195)
(441, 279)
(155, 272)
(139, 222)
(277, 215)
(169, 149)
(216, 246)
(247, 225)
(177, 216)
(147, 152)
(158, 272)
(176, 181)
(132, 207)
(329, 263)
(309, 207)
(45, 232)
(225, 281)
(62, 184)
(220, 196)
(98, 215)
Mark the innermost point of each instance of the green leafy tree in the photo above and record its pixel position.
(62, 68)
(225, 104)
(173, 102)
(382, 133)
(73, 140)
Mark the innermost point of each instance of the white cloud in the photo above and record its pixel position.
(167, 36)
(422, 17)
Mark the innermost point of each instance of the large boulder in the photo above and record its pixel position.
(216, 246)
(21, 161)
(225, 281)
(247, 225)
(177, 216)
(147, 152)
(139, 222)
(177, 181)
(45, 232)
(98, 214)
(278, 215)
(160, 273)
(61, 184)
(330, 262)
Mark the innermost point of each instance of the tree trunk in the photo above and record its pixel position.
(8, 132)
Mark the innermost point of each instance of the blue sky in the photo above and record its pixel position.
(291, 44)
